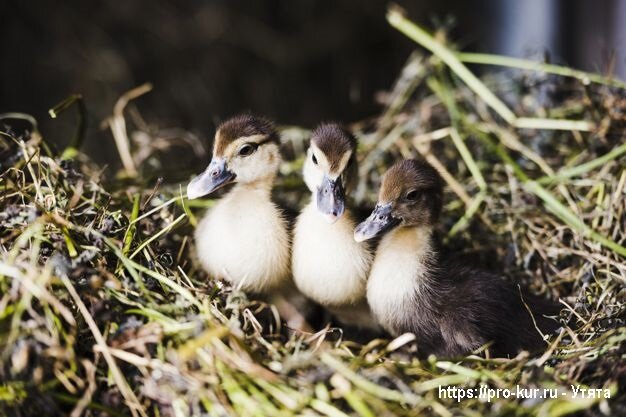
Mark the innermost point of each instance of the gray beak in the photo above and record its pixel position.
(215, 176)
(379, 222)
(331, 199)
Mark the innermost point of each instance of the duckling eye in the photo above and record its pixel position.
(246, 150)
(412, 195)
(314, 159)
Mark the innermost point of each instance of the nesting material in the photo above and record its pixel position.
(103, 308)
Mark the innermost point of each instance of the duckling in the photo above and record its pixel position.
(328, 266)
(244, 237)
(452, 309)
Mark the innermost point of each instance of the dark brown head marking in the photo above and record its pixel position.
(242, 126)
(334, 141)
(415, 191)
(408, 175)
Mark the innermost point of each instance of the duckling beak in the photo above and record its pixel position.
(331, 199)
(215, 176)
(379, 222)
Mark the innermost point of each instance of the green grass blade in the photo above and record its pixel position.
(525, 64)
(555, 206)
(450, 58)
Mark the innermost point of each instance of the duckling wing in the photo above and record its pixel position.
(494, 309)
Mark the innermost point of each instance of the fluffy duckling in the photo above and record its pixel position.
(328, 266)
(452, 309)
(244, 237)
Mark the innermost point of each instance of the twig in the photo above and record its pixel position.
(117, 123)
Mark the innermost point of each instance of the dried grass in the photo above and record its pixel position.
(103, 310)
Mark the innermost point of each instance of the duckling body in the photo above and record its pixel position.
(255, 255)
(399, 275)
(243, 238)
(328, 265)
(452, 309)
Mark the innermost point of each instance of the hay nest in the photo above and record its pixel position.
(104, 311)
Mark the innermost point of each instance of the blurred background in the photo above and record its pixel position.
(297, 62)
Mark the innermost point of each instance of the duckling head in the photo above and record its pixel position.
(330, 168)
(410, 195)
(245, 150)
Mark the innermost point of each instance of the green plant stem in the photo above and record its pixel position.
(420, 36)
(525, 64)
(366, 385)
(81, 123)
(132, 227)
(551, 202)
(586, 167)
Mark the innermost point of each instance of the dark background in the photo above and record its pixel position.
(295, 61)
